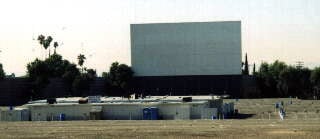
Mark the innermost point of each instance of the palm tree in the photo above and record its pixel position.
(55, 45)
(81, 59)
(45, 42)
(48, 40)
(41, 39)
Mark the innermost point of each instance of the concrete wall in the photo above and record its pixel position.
(198, 48)
(52, 112)
(209, 113)
(123, 112)
(196, 110)
(167, 111)
(172, 111)
(14, 115)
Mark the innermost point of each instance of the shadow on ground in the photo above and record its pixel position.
(241, 116)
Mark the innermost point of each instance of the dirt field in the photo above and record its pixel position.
(194, 129)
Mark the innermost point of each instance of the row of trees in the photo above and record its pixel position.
(78, 79)
(245, 66)
(278, 79)
(2, 73)
(119, 77)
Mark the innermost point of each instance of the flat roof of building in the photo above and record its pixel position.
(115, 103)
(122, 100)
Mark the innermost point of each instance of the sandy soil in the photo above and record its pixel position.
(193, 129)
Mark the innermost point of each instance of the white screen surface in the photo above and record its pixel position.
(197, 48)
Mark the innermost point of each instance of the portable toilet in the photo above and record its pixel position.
(146, 114)
(62, 117)
(153, 113)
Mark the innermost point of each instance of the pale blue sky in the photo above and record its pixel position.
(288, 30)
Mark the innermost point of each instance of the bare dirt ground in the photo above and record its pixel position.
(193, 129)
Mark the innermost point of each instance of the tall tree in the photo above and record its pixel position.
(254, 69)
(315, 77)
(41, 39)
(265, 81)
(81, 83)
(280, 80)
(91, 73)
(246, 66)
(55, 45)
(276, 67)
(2, 73)
(268, 78)
(81, 59)
(119, 76)
(315, 80)
(48, 41)
(45, 41)
(295, 82)
(40, 71)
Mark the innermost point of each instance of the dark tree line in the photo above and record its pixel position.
(54, 66)
(40, 71)
(77, 79)
(281, 80)
(118, 78)
(2, 73)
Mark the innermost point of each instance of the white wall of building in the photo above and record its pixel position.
(174, 111)
(119, 111)
(14, 115)
(52, 112)
(123, 111)
(197, 48)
